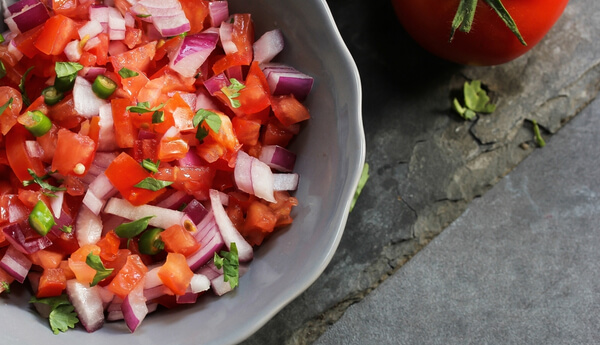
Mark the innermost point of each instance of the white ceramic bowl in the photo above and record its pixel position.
(331, 151)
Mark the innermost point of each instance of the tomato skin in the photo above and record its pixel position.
(128, 277)
(52, 283)
(178, 240)
(125, 182)
(175, 273)
(17, 154)
(73, 149)
(56, 33)
(489, 42)
(8, 118)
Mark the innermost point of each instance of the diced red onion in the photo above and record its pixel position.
(167, 16)
(65, 219)
(73, 51)
(116, 24)
(268, 46)
(117, 47)
(28, 18)
(114, 315)
(106, 137)
(99, 13)
(227, 230)
(206, 252)
(215, 83)
(90, 73)
(235, 72)
(226, 34)
(209, 271)
(157, 291)
(88, 304)
(107, 296)
(90, 29)
(220, 286)
(16, 264)
(93, 203)
(203, 101)
(15, 235)
(285, 181)
(129, 20)
(196, 211)
(102, 187)
(34, 149)
(43, 309)
(103, 159)
(242, 172)
(218, 12)
(187, 298)
(163, 217)
(175, 200)
(285, 80)
(146, 134)
(56, 204)
(19, 6)
(152, 279)
(134, 307)
(92, 43)
(262, 180)
(192, 53)
(205, 226)
(199, 283)
(89, 227)
(278, 158)
(87, 104)
(191, 159)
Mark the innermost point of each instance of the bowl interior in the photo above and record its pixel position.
(330, 151)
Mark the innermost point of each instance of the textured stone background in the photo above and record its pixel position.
(427, 164)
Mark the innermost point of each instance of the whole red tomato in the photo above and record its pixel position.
(490, 41)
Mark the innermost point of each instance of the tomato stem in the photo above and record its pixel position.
(463, 19)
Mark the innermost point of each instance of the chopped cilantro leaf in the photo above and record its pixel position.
(127, 73)
(67, 229)
(26, 99)
(143, 107)
(132, 229)
(6, 105)
(40, 180)
(5, 286)
(152, 184)
(62, 315)
(102, 272)
(210, 118)
(232, 91)
(230, 263)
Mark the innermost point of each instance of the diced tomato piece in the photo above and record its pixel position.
(125, 133)
(128, 276)
(56, 33)
(74, 153)
(254, 97)
(109, 246)
(48, 144)
(87, 59)
(94, 129)
(46, 258)
(175, 273)
(8, 118)
(145, 149)
(277, 134)
(260, 221)
(116, 264)
(25, 41)
(247, 131)
(136, 59)
(52, 283)
(133, 37)
(64, 265)
(179, 240)
(63, 113)
(289, 110)
(172, 148)
(12, 209)
(101, 50)
(133, 85)
(18, 156)
(236, 215)
(283, 207)
(77, 264)
(165, 48)
(196, 11)
(242, 37)
(125, 182)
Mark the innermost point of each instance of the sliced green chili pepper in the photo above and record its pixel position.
(41, 218)
(36, 122)
(150, 242)
(52, 95)
(103, 86)
(2, 70)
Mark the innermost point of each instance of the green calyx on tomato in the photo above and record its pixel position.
(463, 19)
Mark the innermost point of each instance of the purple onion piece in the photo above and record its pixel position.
(278, 158)
(196, 211)
(216, 83)
(15, 235)
(16, 264)
(205, 253)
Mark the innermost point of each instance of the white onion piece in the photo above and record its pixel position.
(209, 271)
(87, 104)
(203, 101)
(206, 252)
(73, 51)
(262, 180)
(92, 43)
(218, 12)
(93, 202)
(88, 304)
(199, 283)
(101, 187)
(34, 149)
(157, 291)
(278, 158)
(116, 24)
(99, 13)
(89, 227)
(106, 295)
(152, 278)
(134, 307)
(56, 204)
(129, 20)
(242, 172)
(192, 52)
(283, 182)
(220, 286)
(16, 264)
(163, 217)
(90, 29)
(268, 46)
(14, 51)
(227, 230)
(226, 33)
(106, 137)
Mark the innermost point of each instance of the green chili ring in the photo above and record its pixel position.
(103, 86)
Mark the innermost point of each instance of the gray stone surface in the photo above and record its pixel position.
(520, 266)
(426, 163)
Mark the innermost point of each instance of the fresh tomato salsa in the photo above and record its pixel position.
(143, 153)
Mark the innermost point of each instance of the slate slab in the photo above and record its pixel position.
(520, 266)
(427, 164)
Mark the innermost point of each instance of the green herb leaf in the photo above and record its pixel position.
(232, 91)
(361, 183)
(230, 263)
(40, 180)
(539, 140)
(210, 118)
(2, 70)
(132, 229)
(158, 116)
(143, 107)
(67, 69)
(127, 73)
(476, 101)
(465, 113)
(5, 286)
(67, 229)
(26, 100)
(153, 184)
(149, 165)
(102, 272)
(62, 315)
(6, 105)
